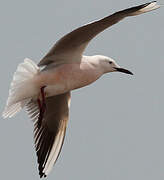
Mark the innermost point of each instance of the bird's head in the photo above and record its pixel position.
(109, 65)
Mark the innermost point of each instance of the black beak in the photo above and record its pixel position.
(123, 70)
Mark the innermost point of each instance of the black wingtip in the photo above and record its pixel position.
(41, 174)
(143, 5)
(131, 11)
(147, 4)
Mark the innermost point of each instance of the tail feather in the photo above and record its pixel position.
(20, 87)
(10, 111)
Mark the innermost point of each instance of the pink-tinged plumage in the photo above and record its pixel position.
(68, 77)
(46, 92)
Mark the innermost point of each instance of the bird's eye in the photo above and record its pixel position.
(110, 62)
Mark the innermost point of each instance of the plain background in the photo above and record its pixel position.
(116, 127)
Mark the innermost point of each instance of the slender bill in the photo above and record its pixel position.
(123, 70)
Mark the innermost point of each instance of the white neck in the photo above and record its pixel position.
(96, 62)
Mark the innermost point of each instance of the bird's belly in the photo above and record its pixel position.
(52, 90)
(68, 78)
(68, 84)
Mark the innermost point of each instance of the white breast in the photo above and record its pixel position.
(68, 77)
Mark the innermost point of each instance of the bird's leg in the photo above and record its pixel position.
(40, 113)
(42, 106)
(39, 103)
(43, 98)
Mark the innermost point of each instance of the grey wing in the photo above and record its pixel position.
(71, 46)
(49, 137)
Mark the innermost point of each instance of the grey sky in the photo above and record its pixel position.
(116, 125)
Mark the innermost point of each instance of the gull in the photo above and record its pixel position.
(44, 89)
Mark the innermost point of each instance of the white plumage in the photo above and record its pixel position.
(67, 52)
(21, 87)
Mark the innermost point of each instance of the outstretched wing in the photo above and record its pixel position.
(71, 46)
(49, 137)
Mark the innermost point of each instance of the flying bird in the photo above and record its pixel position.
(44, 89)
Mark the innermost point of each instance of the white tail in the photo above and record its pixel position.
(21, 87)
